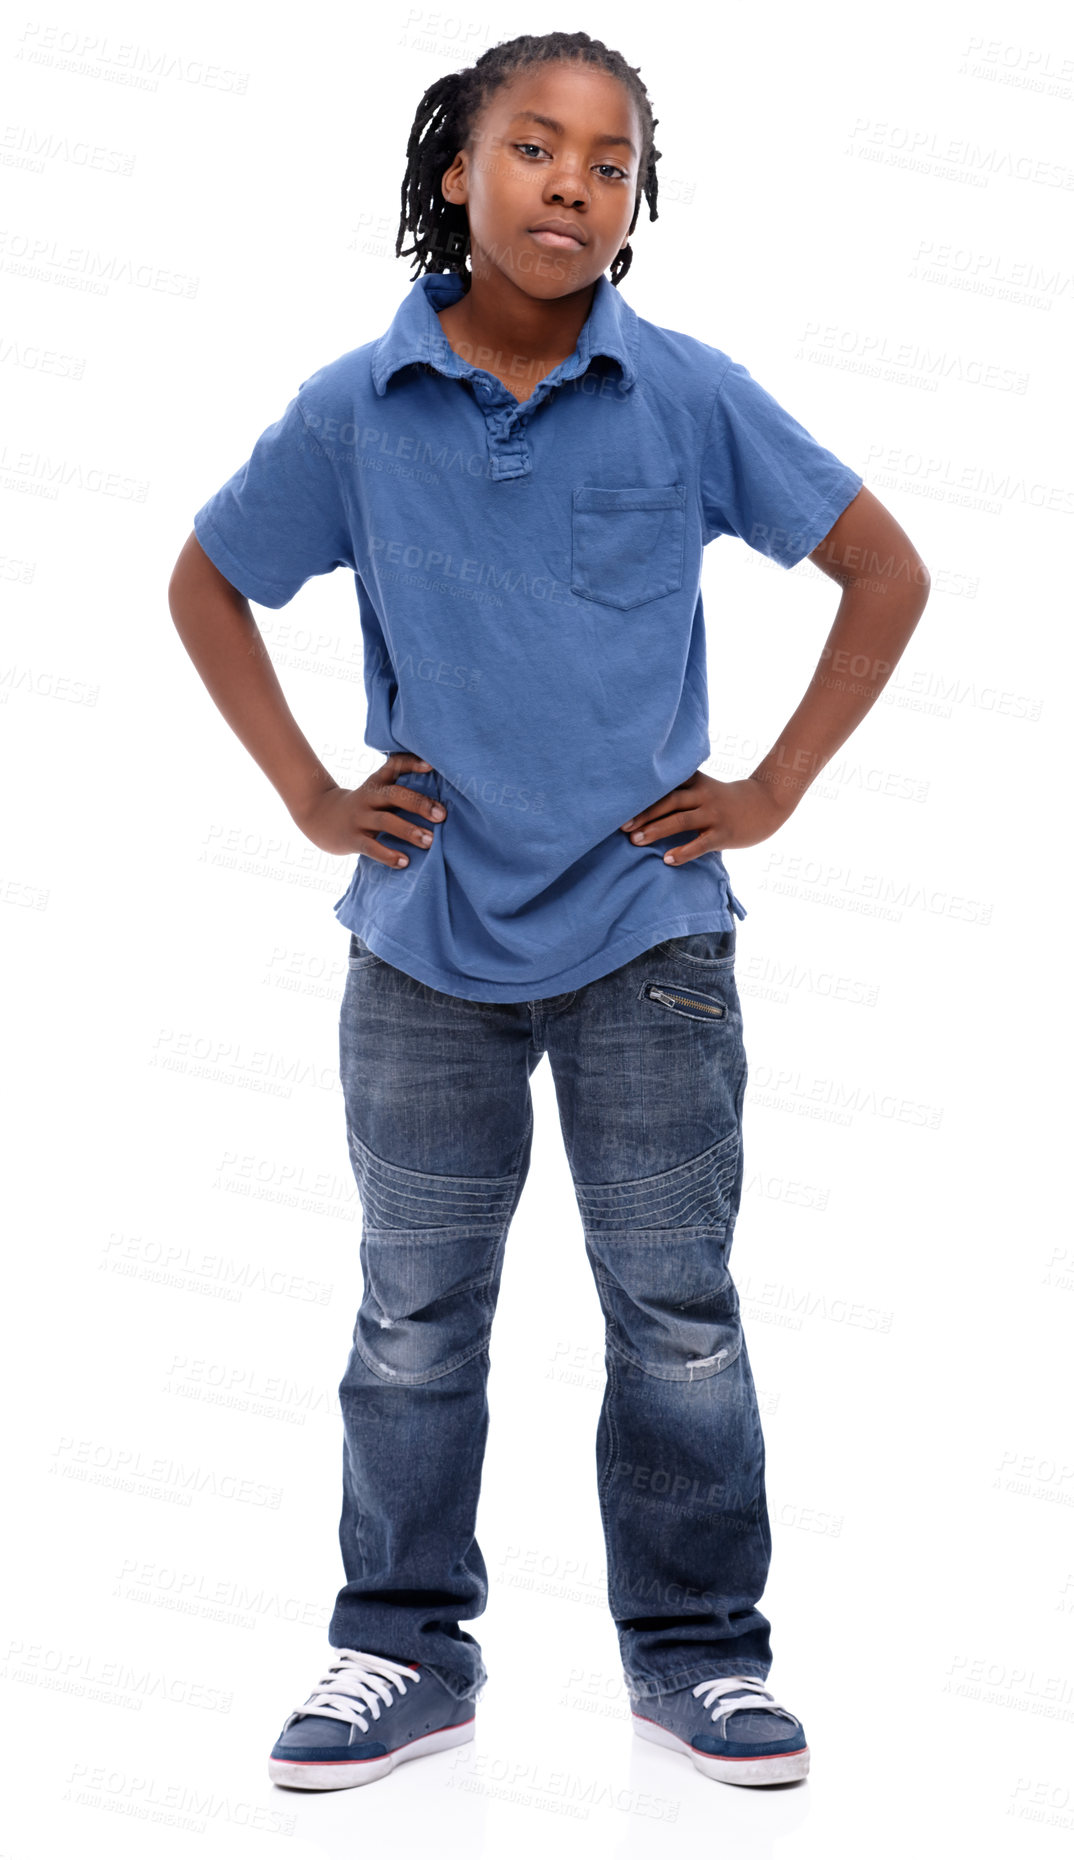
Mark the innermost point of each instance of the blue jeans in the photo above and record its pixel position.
(650, 1075)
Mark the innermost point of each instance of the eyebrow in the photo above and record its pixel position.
(549, 122)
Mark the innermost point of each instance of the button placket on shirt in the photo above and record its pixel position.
(505, 427)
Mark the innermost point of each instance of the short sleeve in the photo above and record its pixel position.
(764, 478)
(280, 518)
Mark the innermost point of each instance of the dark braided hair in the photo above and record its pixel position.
(442, 126)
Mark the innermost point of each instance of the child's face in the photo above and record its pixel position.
(519, 172)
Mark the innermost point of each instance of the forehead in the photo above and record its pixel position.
(582, 98)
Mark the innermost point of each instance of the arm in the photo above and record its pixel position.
(885, 588)
(218, 629)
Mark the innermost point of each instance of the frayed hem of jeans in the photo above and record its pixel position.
(454, 1683)
(650, 1687)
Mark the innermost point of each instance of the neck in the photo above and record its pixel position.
(497, 326)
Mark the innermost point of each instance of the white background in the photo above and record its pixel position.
(871, 210)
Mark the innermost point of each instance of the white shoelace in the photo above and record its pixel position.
(717, 1688)
(355, 1683)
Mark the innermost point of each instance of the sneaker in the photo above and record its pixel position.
(327, 1743)
(747, 1738)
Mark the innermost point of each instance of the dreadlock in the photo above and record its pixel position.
(442, 126)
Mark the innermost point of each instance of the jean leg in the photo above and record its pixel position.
(439, 1127)
(650, 1075)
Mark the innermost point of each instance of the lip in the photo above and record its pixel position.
(558, 233)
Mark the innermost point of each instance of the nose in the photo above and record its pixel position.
(568, 190)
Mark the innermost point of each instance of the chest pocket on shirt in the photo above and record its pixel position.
(627, 545)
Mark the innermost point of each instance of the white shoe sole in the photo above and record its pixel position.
(784, 1766)
(350, 1775)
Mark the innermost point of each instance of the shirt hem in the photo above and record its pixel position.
(839, 496)
(613, 956)
(266, 593)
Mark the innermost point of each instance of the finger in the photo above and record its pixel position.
(656, 808)
(399, 795)
(406, 830)
(660, 826)
(643, 813)
(701, 843)
(384, 855)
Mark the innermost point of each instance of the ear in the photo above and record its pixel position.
(453, 181)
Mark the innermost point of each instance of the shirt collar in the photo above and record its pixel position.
(415, 334)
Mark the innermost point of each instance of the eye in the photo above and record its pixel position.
(620, 172)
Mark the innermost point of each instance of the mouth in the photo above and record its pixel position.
(556, 238)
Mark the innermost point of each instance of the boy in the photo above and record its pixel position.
(522, 474)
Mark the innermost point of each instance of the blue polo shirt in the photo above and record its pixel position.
(528, 582)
